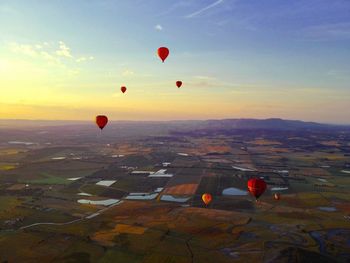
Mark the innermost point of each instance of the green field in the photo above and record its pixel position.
(47, 179)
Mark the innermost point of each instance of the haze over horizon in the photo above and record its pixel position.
(65, 60)
(24, 122)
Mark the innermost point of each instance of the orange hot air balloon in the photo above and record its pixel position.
(123, 89)
(277, 196)
(163, 53)
(256, 187)
(207, 198)
(101, 121)
(179, 83)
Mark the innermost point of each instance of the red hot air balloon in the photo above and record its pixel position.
(123, 89)
(163, 53)
(178, 83)
(101, 121)
(207, 198)
(256, 187)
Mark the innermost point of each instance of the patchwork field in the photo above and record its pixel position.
(54, 207)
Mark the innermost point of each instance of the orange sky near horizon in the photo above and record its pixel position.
(268, 68)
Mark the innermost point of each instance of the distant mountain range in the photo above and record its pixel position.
(273, 123)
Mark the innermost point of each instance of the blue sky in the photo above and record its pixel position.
(269, 58)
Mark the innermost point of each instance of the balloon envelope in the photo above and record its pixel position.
(101, 121)
(277, 196)
(163, 53)
(123, 89)
(178, 83)
(207, 198)
(256, 187)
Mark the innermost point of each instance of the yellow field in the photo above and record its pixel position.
(107, 237)
(128, 229)
(5, 167)
(9, 151)
(204, 146)
(265, 142)
(8, 206)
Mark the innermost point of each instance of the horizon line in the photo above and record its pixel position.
(175, 120)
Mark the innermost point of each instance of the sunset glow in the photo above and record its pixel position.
(236, 59)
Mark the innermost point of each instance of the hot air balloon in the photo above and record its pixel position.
(256, 187)
(123, 89)
(207, 198)
(179, 83)
(277, 196)
(163, 53)
(101, 121)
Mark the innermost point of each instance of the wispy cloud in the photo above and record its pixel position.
(339, 74)
(47, 51)
(204, 9)
(201, 81)
(204, 78)
(332, 31)
(174, 7)
(45, 55)
(128, 72)
(64, 50)
(158, 27)
(24, 49)
(83, 59)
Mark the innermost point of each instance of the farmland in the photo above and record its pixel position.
(153, 210)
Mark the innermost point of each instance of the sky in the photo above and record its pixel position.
(66, 60)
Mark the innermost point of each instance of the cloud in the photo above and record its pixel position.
(47, 51)
(49, 57)
(204, 77)
(339, 74)
(36, 51)
(128, 72)
(23, 49)
(83, 59)
(158, 27)
(200, 11)
(333, 31)
(201, 81)
(64, 50)
(175, 6)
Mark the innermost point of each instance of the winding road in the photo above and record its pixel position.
(73, 221)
